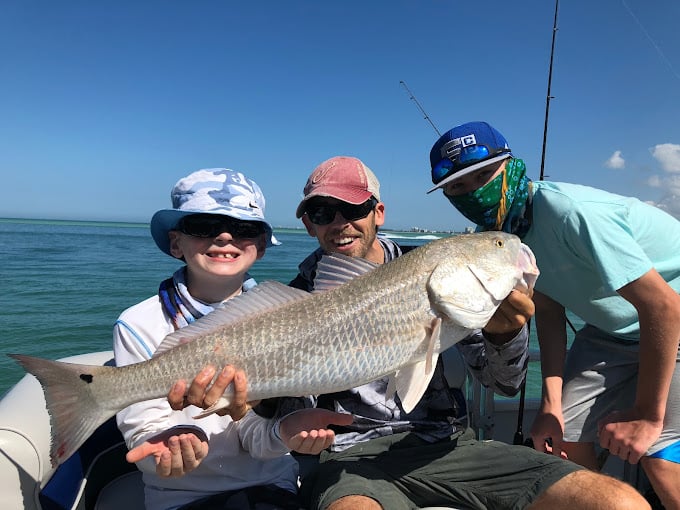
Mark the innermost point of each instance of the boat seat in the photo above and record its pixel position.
(125, 492)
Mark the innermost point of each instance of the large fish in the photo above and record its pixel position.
(363, 322)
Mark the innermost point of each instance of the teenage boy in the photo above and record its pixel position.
(615, 262)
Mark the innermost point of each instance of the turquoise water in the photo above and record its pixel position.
(64, 283)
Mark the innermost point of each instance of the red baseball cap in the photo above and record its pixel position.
(343, 178)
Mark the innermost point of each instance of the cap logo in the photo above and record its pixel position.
(321, 173)
(468, 140)
(452, 148)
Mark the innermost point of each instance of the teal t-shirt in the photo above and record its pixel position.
(589, 243)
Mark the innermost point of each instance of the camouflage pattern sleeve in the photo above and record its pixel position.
(499, 367)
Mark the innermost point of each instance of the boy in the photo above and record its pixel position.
(217, 228)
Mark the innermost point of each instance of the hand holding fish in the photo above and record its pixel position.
(511, 316)
(204, 395)
(305, 431)
(177, 451)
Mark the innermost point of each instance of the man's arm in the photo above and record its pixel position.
(498, 355)
(629, 433)
(551, 323)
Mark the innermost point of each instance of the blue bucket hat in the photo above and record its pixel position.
(464, 149)
(211, 191)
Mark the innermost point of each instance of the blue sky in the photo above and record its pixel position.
(106, 104)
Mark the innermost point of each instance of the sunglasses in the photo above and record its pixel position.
(212, 225)
(321, 213)
(466, 157)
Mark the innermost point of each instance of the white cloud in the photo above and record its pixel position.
(670, 202)
(615, 161)
(654, 181)
(668, 155)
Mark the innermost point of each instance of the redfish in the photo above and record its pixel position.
(362, 322)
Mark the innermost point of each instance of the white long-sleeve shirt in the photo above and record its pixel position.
(137, 334)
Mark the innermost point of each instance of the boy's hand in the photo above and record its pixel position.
(204, 395)
(177, 451)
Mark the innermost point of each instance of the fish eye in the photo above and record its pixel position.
(499, 243)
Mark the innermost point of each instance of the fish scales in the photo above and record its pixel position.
(372, 326)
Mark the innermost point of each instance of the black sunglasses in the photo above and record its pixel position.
(212, 225)
(323, 213)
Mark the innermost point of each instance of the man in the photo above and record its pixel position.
(613, 261)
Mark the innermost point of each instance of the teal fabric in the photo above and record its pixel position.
(481, 205)
(589, 243)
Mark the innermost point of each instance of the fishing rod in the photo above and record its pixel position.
(427, 118)
(518, 439)
(548, 96)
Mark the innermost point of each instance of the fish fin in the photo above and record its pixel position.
(432, 344)
(497, 288)
(70, 397)
(222, 403)
(336, 269)
(264, 297)
(411, 381)
(453, 293)
(391, 386)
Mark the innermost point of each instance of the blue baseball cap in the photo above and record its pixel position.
(464, 149)
(211, 191)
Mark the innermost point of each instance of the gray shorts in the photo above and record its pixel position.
(600, 377)
(403, 472)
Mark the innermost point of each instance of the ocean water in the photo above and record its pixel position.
(64, 283)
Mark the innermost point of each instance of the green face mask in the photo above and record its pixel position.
(489, 205)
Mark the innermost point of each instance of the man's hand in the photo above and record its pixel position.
(306, 431)
(547, 432)
(627, 435)
(204, 395)
(510, 317)
(177, 451)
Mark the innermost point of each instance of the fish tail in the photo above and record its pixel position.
(70, 395)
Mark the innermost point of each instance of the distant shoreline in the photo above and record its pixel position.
(135, 224)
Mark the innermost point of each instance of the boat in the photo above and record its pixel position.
(97, 476)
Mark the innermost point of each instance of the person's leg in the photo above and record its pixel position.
(586, 490)
(662, 465)
(355, 503)
(600, 376)
(664, 476)
(582, 453)
(500, 476)
(355, 479)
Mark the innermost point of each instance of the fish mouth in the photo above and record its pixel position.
(527, 265)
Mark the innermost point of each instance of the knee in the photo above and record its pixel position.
(355, 503)
(586, 489)
(613, 493)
